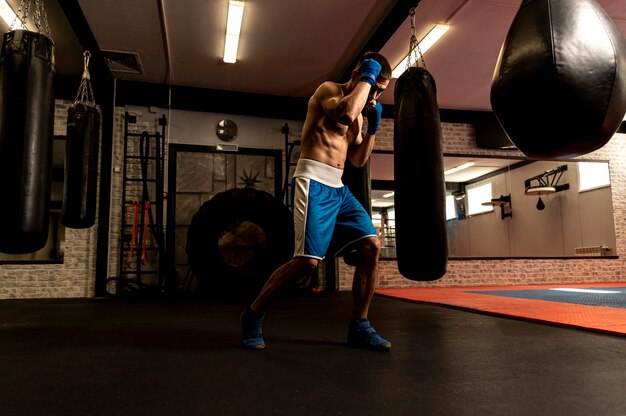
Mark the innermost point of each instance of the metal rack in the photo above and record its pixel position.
(142, 246)
(289, 164)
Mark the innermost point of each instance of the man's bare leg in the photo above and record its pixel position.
(360, 332)
(252, 316)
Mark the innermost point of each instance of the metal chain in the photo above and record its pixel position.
(40, 17)
(21, 16)
(85, 92)
(414, 48)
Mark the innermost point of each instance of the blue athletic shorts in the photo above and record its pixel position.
(322, 209)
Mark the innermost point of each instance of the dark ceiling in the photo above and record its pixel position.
(288, 47)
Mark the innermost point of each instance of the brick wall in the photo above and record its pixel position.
(459, 138)
(75, 277)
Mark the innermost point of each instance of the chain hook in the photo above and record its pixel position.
(86, 57)
(85, 91)
(39, 16)
(414, 48)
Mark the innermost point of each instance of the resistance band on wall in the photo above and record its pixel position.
(134, 246)
(148, 222)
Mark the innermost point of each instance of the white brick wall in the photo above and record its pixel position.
(459, 138)
(76, 276)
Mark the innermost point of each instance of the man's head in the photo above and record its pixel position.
(383, 78)
(385, 72)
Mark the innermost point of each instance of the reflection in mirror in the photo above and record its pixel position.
(512, 207)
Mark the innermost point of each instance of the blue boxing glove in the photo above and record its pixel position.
(373, 118)
(368, 71)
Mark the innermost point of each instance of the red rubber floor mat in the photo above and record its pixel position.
(573, 305)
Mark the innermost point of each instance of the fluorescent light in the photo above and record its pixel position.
(429, 40)
(458, 168)
(233, 28)
(388, 194)
(7, 13)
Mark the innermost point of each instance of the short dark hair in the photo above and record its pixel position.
(385, 72)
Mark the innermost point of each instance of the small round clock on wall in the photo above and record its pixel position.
(226, 130)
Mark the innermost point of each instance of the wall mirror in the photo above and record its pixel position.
(506, 207)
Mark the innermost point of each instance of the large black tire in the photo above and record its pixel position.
(237, 239)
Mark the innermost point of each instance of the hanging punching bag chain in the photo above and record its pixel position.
(40, 17)
(85, 92)
(414, 47)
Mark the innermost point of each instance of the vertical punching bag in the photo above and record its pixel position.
(81, 166)
(559, 86)
(358, 180)
(26, 136)
(420, 197)
(81, 157)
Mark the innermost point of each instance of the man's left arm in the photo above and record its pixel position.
(361, 150)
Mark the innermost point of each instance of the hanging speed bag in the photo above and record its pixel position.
(26, 137)
(559, 85)
(421, 233)
(81, 166)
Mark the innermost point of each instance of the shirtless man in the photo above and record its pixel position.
(322, 205)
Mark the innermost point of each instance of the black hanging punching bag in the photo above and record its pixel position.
(81, 166)
(358, 180)
(26, 136)
(559, 86)
(420, 197)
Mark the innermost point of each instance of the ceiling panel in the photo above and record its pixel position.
(288, 48)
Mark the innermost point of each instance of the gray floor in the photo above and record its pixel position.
(105, 357)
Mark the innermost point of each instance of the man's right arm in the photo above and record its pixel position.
(346, 109)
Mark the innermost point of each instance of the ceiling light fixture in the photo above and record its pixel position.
(388, 194)
(429, 40)
(7, 13)
(233, 29)
(458, 168)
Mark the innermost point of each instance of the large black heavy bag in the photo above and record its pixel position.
(559, 85)
(81, 166)
(358, 180)
(420, 197)
(26, 137)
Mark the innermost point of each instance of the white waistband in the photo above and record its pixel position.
(318, 171)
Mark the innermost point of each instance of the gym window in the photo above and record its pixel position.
(476, 196)
(450, 207)
(593, 175)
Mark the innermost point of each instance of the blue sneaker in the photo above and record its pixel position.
(362, 335)
(251, 329)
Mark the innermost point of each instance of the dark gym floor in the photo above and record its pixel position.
(111, 357)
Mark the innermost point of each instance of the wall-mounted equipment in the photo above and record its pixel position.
(504, 202)
(545, 183)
